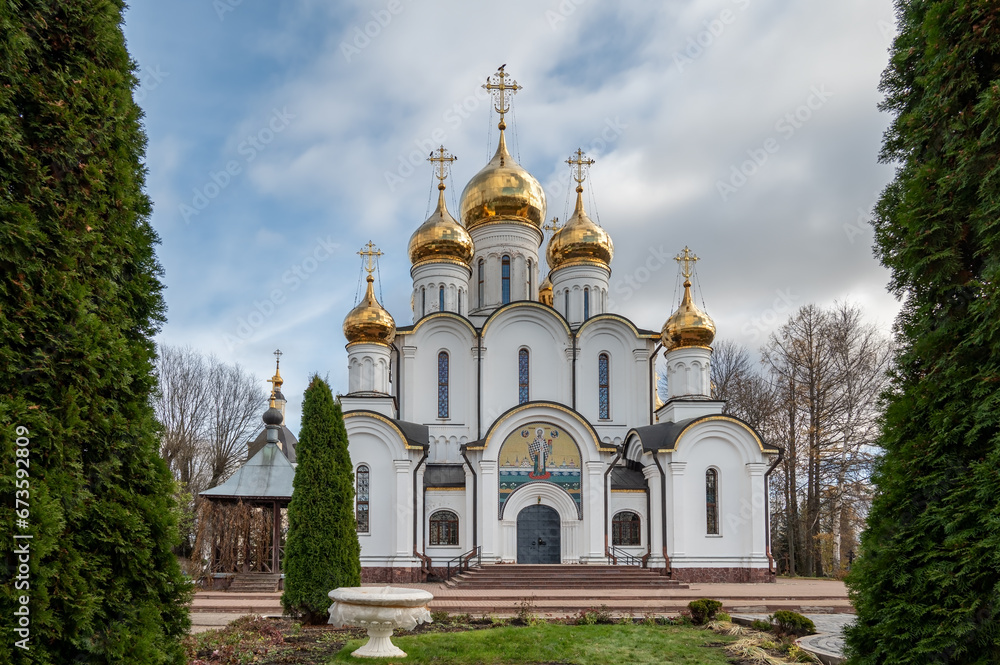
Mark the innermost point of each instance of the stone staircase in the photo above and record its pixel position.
(255, 583)
(521, 576)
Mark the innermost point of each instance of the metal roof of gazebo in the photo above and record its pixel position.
(267, 476)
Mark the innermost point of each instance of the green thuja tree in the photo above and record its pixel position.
(322, 550)
(927, 585)
(80, 300)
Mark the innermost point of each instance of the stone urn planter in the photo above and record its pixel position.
(380, 610)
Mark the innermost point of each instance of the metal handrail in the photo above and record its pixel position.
(463, 562)
(628, 559)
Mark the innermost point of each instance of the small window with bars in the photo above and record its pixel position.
(444, 528)
(361, 499)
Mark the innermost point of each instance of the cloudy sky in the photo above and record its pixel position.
(283, 136)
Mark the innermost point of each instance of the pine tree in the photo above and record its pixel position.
(80, 299)
(322, 550)
(927, 585)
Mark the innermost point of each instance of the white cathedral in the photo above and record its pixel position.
(518, 421)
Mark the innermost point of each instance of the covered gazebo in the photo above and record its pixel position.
(242, 522)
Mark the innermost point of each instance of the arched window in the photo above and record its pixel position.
(482, 282)
(711, 500)
(443, 384)
(522, 376)
(444, 528)
(460, 301)
(566, 304)
(626, 530)
(423, 301)
(586, 303)
(441, 298)
(361, 499)
(505, 279)
(603, 387)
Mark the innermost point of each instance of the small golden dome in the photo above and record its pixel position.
(369, 322)
(579, 241)
(545, 292)
(688, 326)
(441, 237)
(502, 190)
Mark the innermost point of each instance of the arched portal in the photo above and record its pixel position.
(538, 535)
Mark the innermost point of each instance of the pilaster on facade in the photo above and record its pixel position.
(655, 484)
(403, 517)
(676, 539)
(759, 523)
(489, 490)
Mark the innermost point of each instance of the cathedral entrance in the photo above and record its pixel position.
(538, 535)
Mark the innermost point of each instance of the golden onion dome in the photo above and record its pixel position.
(688, 326)
(441, 238)
(545, 292)
(579, 241)
(369, 322)
(502, 191)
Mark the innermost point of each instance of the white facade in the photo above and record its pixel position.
(450, 433)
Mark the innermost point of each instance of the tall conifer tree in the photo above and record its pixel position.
(322, 550)
(79, 302)
(927, 586)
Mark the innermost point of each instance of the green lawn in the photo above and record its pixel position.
(556, 643)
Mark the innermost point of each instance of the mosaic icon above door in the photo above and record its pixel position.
(539, 452)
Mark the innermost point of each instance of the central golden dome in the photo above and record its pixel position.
(688, 326)
(441, 238)
(579, 241)
(502, 190)
(369, 323)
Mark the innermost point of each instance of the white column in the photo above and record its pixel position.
(488, 507)
(675, 519)
(758, 520)
(655, 517)
(594, 512)
(409, 378)
(404, 509)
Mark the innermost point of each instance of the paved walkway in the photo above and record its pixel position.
(814, 597)
(828, 642)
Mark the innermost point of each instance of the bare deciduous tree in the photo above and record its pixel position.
(207, 410)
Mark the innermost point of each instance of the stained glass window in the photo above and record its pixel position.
(522, 376)
(505, 279)
(603, 387)
(361, 499)
(440, 298)
(586, 304)
(626, 529)
(711, 500)
(444, 528)
(442, 385)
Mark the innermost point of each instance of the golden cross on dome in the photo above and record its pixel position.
(499, 87)
(580, 166)
(275, 380)
(686, 260)
(442, 164)
(552, 225)
(370, 252)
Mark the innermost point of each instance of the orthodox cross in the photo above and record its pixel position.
(686, 260)
(370, 253)
(441, 159)
(579, 167)
(552, 225)
(275, 380)
(499, 87)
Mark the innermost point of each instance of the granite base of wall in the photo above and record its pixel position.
(387, 575)
(708, 575)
